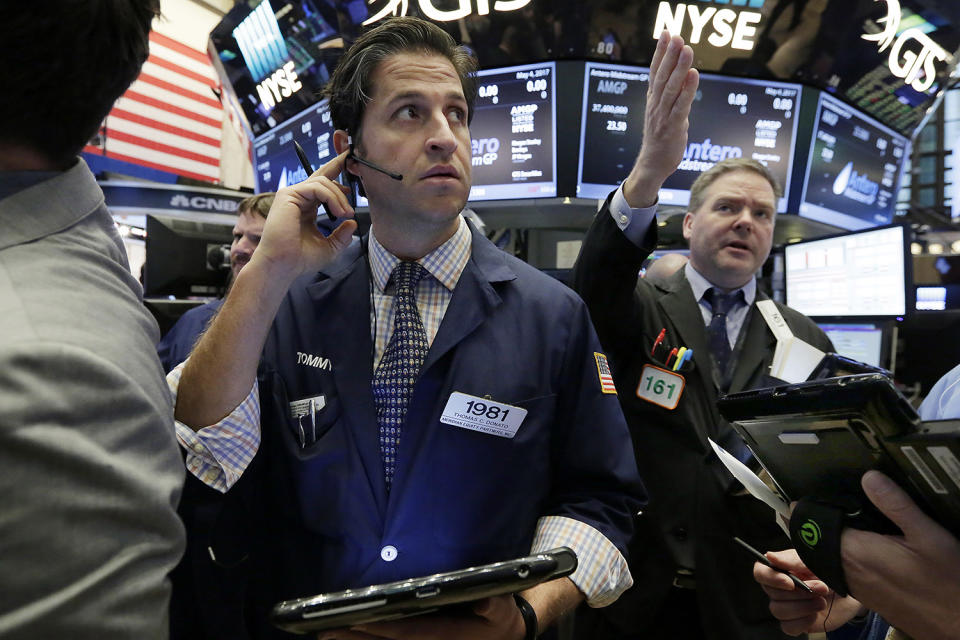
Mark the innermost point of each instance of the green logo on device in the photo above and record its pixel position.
(810, 533)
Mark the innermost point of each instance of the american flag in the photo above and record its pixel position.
(603, 368)
(169, 119)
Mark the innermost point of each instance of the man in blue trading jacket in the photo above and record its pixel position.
(178, 342)
(696, 582)
(367, 470)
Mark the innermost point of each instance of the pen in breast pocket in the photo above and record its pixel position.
(658, 341)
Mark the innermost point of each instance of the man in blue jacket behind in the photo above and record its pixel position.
(178, 342)
(419, 401)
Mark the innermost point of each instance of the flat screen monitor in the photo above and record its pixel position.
(937, 280)
(730, 118)
(860, 274)
(514, 150)
(176, 264)
(275, 56)
(275, 162)
(932, 298)
(861, 342)
(853, 170)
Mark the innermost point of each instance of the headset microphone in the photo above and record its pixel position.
(367, 163)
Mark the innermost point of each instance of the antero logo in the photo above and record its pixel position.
(701, 156)
(810, 533)
(856, 186)
(485, 151)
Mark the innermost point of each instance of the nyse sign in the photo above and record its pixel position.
(913, 50)
(399, 8)
(721, 27)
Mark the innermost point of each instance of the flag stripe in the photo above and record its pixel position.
(179, 90)
(160, 104)
(202, 68)
(170, 118)
(172, 67)
(161, 167)
(123, 136)
(139, 154)
(165, 115)
(177, 100)
(123, 114)
(173, 140)
(179, 47)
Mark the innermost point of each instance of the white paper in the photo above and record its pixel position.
(799, 361)
(757, 487)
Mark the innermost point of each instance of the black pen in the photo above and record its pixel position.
(305, 163)
(762, 559)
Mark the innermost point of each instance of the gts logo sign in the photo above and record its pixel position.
(314, 361)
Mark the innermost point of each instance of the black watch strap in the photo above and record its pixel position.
(529, 616)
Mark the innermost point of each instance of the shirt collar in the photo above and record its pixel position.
(12, 182)
(445, 263)
(699, 285)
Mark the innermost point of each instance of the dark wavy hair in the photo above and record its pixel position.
(65, 62)
(349, 86)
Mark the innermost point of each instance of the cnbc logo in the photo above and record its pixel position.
(810, 533)
(721, 24)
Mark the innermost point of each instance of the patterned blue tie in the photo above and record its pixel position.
(720, 305)
(400, 365)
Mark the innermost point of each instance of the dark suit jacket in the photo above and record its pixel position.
(695, 507)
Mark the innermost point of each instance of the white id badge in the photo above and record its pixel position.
(307, 406)
(482, 414)
(661, 387)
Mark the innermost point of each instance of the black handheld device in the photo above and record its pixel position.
(421, 595)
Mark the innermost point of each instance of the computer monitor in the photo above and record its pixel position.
(861, 274)
(514, 150)
(864, 342)
(275, 57)
(937, 280)
(176, 263)
(931, 298)
(730, 118)
(274, 160)
(853, 168)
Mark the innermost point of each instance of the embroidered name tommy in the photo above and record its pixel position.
(314, 361)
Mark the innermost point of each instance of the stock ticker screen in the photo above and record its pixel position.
(275, 162)
(853, 170)
(730, 118)
(512, 134)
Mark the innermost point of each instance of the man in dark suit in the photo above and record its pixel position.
(691, 579)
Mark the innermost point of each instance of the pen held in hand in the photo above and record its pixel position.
(305, 163)
(762, 559)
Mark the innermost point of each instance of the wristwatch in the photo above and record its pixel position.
(529, 616)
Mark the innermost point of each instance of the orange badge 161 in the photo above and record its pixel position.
(661, 387)
(603, 370)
